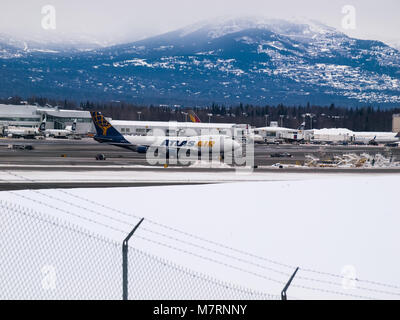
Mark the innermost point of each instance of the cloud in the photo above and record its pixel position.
(123, 20)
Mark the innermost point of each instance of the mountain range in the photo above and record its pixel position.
(249, 60)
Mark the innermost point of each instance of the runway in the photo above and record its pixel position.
(74, 185)
(52, 152)
(71, 164)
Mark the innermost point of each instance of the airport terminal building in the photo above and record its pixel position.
(174, 128)
(31, 116)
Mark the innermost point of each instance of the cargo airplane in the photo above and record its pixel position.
(216, 144)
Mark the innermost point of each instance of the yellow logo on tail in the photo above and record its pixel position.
(101, 122)
(193, 117)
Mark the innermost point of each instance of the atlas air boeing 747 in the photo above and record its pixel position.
(106, 133)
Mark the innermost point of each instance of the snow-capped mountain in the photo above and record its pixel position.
(250, 60)
(49, 43)
(394, 44)
(296, 28)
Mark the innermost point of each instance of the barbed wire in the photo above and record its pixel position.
(251, 272)
(211, 250)
(231, 248)
(188, 252)
(217, 244)
(56, 221)
(166, 245)
(44, 218)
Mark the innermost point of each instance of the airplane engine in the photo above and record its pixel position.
(141, 149)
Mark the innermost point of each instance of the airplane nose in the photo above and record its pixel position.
(236, 145)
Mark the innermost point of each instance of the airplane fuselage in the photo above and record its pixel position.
(217, 143)
(379, 137)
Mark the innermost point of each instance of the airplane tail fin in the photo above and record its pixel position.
(302, 126)
(193, 116)
(105, 131)
(73, 127)
(42, 126)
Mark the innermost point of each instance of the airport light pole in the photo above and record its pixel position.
(139, 113)
(311, 120)
(266, 120)
(311, 115)
(209, 117)
(186, 114)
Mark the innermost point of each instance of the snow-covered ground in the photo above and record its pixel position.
(156, 175)
(334, 227)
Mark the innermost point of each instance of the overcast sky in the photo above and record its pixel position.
(132, 19)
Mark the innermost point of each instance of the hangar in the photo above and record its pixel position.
(174, 128)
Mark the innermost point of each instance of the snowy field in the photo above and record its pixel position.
(336, 228)
(159, 175)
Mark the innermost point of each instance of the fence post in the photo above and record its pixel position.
(283, 293)
(125, 262)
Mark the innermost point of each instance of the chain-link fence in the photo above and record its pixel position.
(43, 257)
